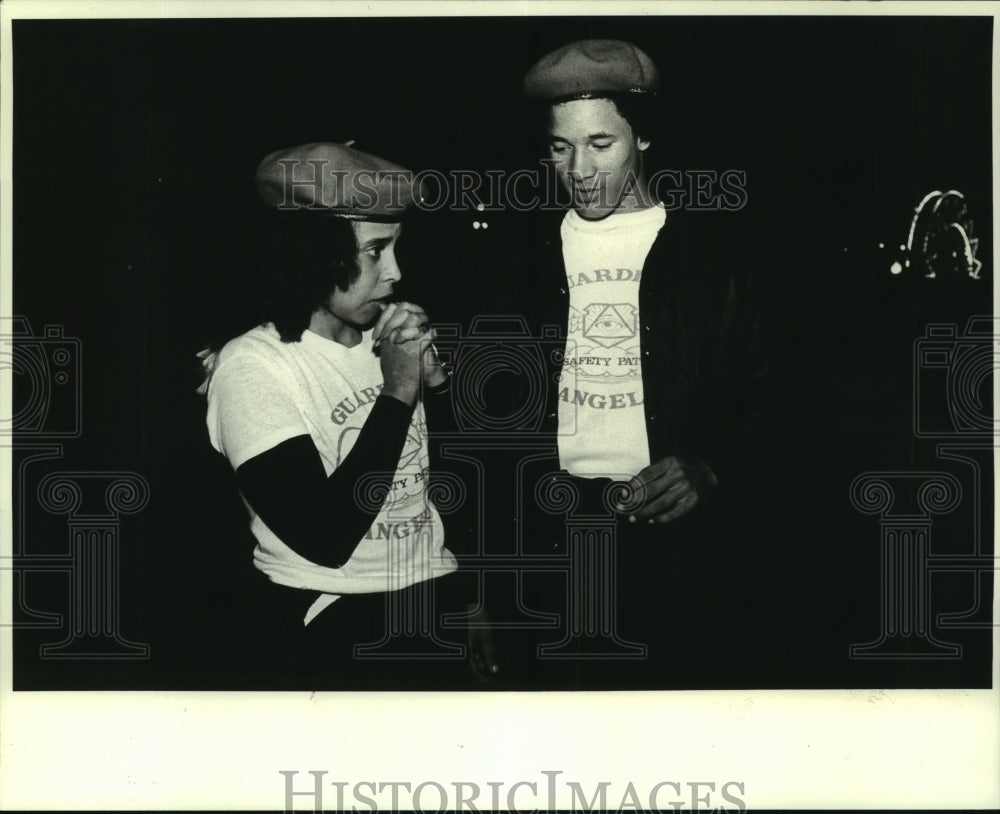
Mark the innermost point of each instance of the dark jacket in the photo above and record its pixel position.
(702, 344)
(699, 585)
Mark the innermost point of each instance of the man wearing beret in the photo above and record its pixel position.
(320, 410)
(646, 402)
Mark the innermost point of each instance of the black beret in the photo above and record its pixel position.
(324, 176)
(591, 68)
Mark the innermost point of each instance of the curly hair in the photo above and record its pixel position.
(304, 256)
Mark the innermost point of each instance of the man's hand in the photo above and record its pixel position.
(400, 362)
(402, 323)
(670, 488)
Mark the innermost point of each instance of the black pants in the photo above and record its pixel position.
(676, 593)
(414, 638)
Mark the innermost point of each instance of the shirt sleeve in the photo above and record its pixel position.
(250, 408)
(320, 517)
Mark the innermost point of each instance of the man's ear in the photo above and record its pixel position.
(642, 144)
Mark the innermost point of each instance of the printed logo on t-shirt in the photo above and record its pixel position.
(406, 490)
(604, 339)
(608, 323)
(345, 408)
(582, 278)
(602, 351)
(602, 426)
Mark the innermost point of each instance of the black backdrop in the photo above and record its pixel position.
(134, 145)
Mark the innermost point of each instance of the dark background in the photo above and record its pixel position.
(134, 147)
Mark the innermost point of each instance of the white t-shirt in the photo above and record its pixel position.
(602, 425)
(264, 391)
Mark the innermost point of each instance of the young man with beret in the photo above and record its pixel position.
(320, 410)
(649, 393)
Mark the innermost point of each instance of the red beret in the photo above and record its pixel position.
(591, 68)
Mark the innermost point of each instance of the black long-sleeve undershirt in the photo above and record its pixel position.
(318, 516)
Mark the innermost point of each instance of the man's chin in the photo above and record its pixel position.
(366, 317)
(594, 211)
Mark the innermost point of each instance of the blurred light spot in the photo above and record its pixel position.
(475, 224)
(896, 268)
(902, 247)
(480, 207)
(881, 245)
(486, 225)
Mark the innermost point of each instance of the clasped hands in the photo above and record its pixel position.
(404, 340)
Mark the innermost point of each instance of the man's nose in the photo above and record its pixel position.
(390, 269)
(580, 167)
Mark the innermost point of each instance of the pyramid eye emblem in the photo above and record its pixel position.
(609, 324)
